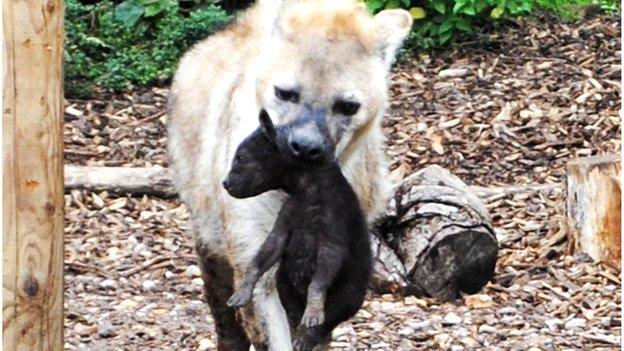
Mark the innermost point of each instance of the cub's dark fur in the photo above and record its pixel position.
(320, 236)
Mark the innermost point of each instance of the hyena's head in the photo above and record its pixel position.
(257, 166)
(323, 79)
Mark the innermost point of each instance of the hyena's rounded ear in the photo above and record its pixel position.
(393, 27)
(273, 11)
(266, 124)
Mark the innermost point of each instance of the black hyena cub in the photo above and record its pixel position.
(320, 235)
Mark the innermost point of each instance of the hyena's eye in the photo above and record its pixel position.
(239, 158)
(347, 108)
(287, 95)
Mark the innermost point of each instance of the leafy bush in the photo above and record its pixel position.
(574, 9)
(136, 43)
(438, 22)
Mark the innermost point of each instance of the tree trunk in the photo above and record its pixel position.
(593, 208)
(442, 233)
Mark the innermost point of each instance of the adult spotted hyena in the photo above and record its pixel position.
(310, 64)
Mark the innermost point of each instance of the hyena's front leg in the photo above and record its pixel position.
(218, 277)
(264, 319)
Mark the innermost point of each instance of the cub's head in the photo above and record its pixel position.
(323, 79)
(257, 166)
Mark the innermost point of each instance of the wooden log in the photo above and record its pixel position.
(32, 241)
(157, 181)
(594, 208)
(442, 233)
(122, 180)
(489, 192)
(389, 274)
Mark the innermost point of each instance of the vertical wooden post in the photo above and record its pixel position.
(32, 241)
(594, 206)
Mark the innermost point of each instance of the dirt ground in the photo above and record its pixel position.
(509, 108)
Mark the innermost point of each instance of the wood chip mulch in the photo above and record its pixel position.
(510, 109)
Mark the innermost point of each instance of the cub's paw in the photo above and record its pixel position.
(312, 317)
(240, 298)
(303, 344)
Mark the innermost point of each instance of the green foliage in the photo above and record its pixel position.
(439, 22)
(136, 43)
(610, 6)
(574, 9)
(129, 11)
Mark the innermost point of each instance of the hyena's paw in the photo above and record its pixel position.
(240, 298)
(313, 316)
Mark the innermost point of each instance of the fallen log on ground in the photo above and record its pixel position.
(121, 180)
(593, 208)
(442, 233)
(157, 181)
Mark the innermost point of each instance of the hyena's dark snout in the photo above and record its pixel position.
(306, 145)
(309, 138)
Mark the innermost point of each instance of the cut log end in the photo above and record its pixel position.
(463, 261)
(442, 233)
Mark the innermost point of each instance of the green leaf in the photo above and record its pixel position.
(480, 5)
(154, 9)
(496, 12)
(129, 12)
(439, 6)
(375, 5)
(445, 27)
(526, 6)
(469, 10)
(444, 38)
(516, 7)
(417, 13)
(406, 3)
(459, 5)
(392, 4)
(427, 28)
(463, 25)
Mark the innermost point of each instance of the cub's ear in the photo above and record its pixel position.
(266, 124)
(393, 27)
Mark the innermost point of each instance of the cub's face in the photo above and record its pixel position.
(325, 77)
(257, 166)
